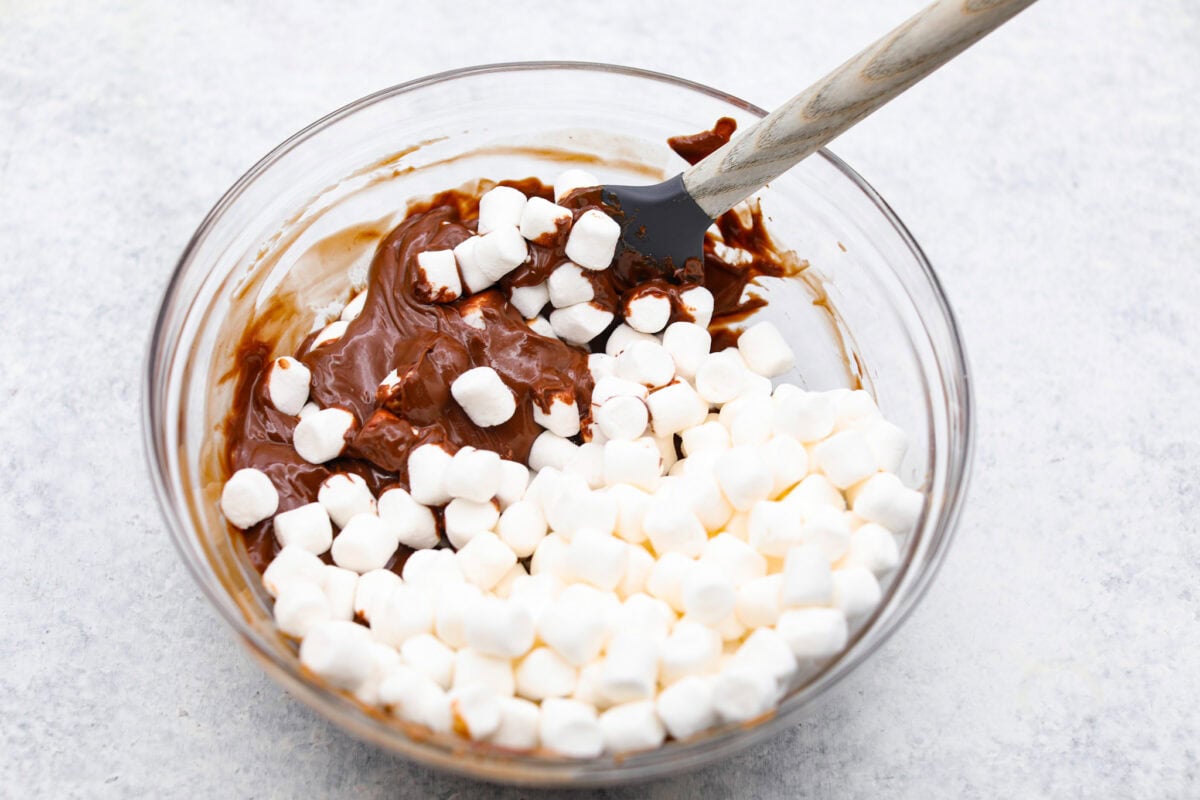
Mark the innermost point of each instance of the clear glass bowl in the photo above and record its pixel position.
(869, 308)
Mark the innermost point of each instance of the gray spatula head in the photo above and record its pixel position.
(660, 222)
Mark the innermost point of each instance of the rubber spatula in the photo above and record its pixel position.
(667, 221)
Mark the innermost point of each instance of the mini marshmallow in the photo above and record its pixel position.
(519, 722)
(562, 418)
(572, 179)
(813, 632)
(309, 408)
(501, 207)
(575, 626)
(541, 220)
(437, 276)
(631, 505)
(647, 310)
(827, 529)
(299, 607)
(758, 601)
(888, 443)
(473, 277)
(853, 408)
(503, 587)
(588, 463)
(872, 546)
(807, 579)
(384, 661)
(354, 308)
(720, 376)
(514, 478)
(629, 671)
(808, 416)
(643, 616)
(307, 527)
(666, 450)
(750, 420)
(473, 475)
(813, 493)
(536, 593)
(340, 587)
(632, 726)
(774, 528)
(364, 544)
(432, 569)
(845, 458)
(484, 396)
(744, 476)
(529, 300)
(248, 497)
(406, 519)
(742, 692)
(578, 507)
(593, 240)
(672, 528)
(611, 387)
(766, 651)
(788, 462)
(697, 303)
(287, 385)
(885, 500)
(708, 594)
(646, 363)
(622, 417)
(487, 672)
(675, 408)
(406, 613)
(856, 592)
(570, 728)
(476, 712)
(569, 285)
(636, 463)
(597, 559)
(542, 327)
(321, 435)
(426, 654)
(551, 450)
(688, 344)
(586, 690)
(372, 592)
(522, 527)
(330, 333)
(708, 436)
(500, 628)
(736, 559)
(499, 252)
(686, 707)
(417, 699)
(344, 496)
(665, 581)
(580, 323)
(543, 673)
(455, 604)
(638, 564)
(601, 365)
(765, 351)
(622, 337)
(550, 556)
(485, 559)
(755, 385)
(339, 652)
(691, 649)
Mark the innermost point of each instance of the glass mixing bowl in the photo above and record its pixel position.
(868, 309)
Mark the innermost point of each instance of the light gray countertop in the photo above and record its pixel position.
(1051, 175)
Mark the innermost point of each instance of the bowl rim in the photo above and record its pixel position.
(553, 772)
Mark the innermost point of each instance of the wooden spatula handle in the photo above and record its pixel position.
(803, 124)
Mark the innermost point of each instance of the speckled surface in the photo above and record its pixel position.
(1051, 174)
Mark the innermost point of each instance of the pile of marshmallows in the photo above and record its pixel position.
(663, 596)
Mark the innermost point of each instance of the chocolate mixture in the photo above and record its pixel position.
(430, 344)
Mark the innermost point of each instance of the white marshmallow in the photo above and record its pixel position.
(647, 310)
(575, 627)
(691, 649)
(364, 544)
(708, 594)
(744, 476)
(639, 562)
(672, 528)
(622, 336)
(593, 240)
(774, 528)
(321, 435)
(529, 300)
(577, 508)
(307, 527)
(631, 505)
(354, 308)
(707, 436)
(410, 522)
(488, 672)
(536, 592)
(485, 559)
(758, 601)
(888, 443)
(666, 450)
(522, 527)
(248, 497)
(788, 462)
(688, 344)
(427, 467)
(853, 408)
(543, 673)
(738, 560)
(807, 579)
(588, 463)
(514, 478)
(344, 496)
(483, 395)
(755, 385)
(501, 207)
(623, 417)
(813, 493)
(827, 529)
(340, 586)
(417, 699)
(742, 692)
(519, 723)
(686, 707)
(766, 651)
(647, 363)
(601, 365)
(427, 654)
(629, 671)
(499, 252)
(569, 285)
(808, 416)
(330, 333)
(562, 418)
(874, 547)
(432, 569)
(500, 628)
(765, 351)
(609, 388)
(309, 408)
(596, 558)
(372, 591)
(856, 592)
(541, 220)
(287, 385)
(885, 500)
(437, 276)
(476, 711)
(665, 581)
(749, 419)
(550, 556)
(551, 450)
(406, 613)
(572, 179)
(299, 607)
(697, 303)
(580, 323)
(570, 728)
(384, 661)
(643, 616)
(636, 463)
(632, 726)
(675, 408)
(813, 632)
(720, 376)
(455, 604)
(339, 652)
(503, 587)
(845, 458)
(473, 475)
(473, 277)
